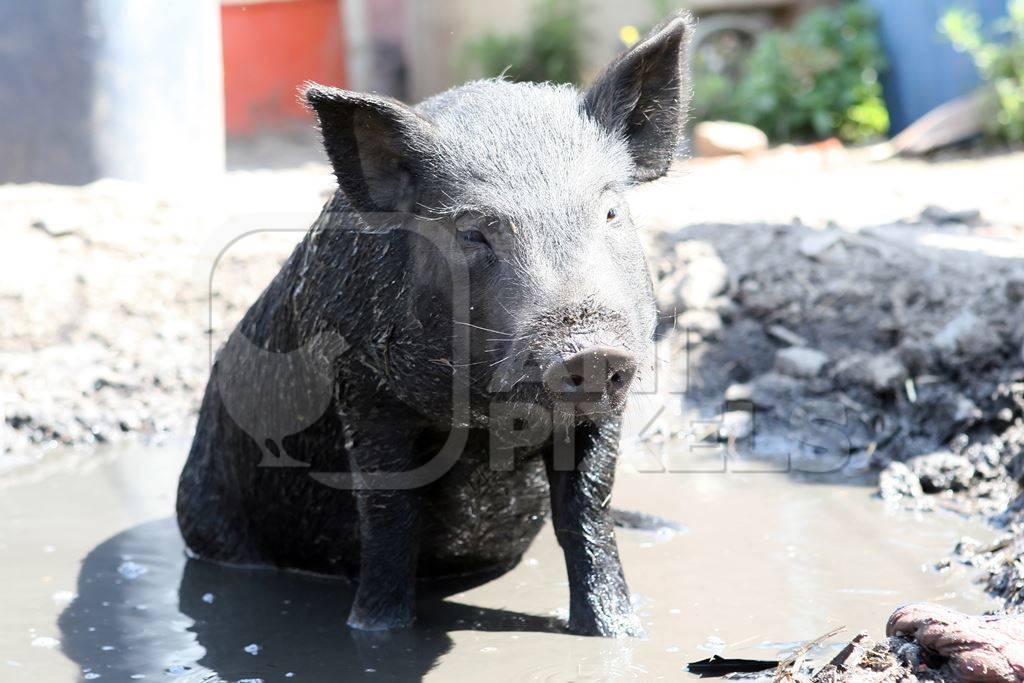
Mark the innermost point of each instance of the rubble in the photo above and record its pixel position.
(873, 349)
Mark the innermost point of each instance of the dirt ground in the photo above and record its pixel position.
(871, 311)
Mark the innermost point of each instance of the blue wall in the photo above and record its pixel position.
(924, 70)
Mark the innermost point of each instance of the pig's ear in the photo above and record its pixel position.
(644, 96)
(376, 145)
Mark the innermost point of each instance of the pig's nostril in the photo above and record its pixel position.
(592, 374)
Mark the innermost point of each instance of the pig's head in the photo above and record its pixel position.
(525, 184)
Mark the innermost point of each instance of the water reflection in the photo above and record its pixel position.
(163, 615)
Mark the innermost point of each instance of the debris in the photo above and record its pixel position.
(954, 121)
(942, 471)
(56, 234)
(800, 362)
(792, 665)
(865, 660)
(715, 667)
(785, 336)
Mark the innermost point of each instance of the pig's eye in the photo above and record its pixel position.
(612, 215)
(471, 235)
(472, 228)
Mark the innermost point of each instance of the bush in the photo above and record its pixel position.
(1000, 61)
(816, 80)
(550, 50)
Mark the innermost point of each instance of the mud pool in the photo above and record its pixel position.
(97, 586)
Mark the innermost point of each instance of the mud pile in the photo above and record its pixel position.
(897, 349)
(106, 299)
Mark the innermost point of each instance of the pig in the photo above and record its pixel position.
(473, 307)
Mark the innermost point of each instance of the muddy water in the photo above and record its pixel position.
(96, 586)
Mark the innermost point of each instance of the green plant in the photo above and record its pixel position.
(818, 79)
(1000, 61)
(549, 50)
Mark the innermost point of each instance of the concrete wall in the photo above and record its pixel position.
(110, 88)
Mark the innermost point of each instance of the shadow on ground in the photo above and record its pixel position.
(143, 608)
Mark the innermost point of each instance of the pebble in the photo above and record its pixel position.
(800, 362)
(738, 424)
(967, 336)
(817, 243)
(940, 215)
(885, 372)
(706, 323)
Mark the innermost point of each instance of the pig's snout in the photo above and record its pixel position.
(598, 375)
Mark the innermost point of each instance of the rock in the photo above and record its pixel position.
(705, 323)
(885, 372)
(917, 356)
(965, 410)
(942, 471)
(937, 214)
(737, 424)
(771, 389)
(739, 392)
(899, 481)
(800, 361)
(967, 336)
(665, 295)
(1014, 289)
(704, 280)
(863, 661)
(698, 278)
(851, 369)
(720, 138)
(785, 335)
(817, 243)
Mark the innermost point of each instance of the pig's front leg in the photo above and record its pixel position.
(388, 533)
(581, 485)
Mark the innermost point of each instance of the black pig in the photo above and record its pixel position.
(447, 352)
